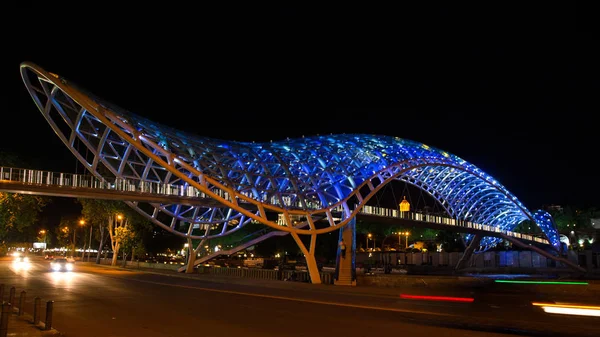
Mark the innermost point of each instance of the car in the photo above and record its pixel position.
(21, 259)
(61, 264)
(21, 262)
(49, 257)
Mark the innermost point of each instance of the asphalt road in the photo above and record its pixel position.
(100, 301)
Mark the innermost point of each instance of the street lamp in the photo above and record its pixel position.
(368, 237)
(89, 245)
(81, 223)
(43, 232)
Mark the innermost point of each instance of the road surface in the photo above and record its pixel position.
(102, 301)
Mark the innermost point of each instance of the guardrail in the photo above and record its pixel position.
(265, 274)
(430, 218)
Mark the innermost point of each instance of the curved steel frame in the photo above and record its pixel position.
(308, 177)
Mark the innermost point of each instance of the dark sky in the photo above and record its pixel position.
(495, 84)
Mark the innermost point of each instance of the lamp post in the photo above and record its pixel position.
(81, 223)
(368, 237)
(89, 245)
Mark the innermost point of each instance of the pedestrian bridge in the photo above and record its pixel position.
(29, 181)
(310, 177)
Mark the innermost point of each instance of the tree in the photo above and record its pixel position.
(526, 226)
(98, 213)
(125, 238)
(450, 240)
(108, 216)
(138, 250)
(141, 229)
(62, 232)
(237, 237)
(122, 225)
(18, 212)
(564, 220)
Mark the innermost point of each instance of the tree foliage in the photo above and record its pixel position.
(571, 218)
(125, 237)
(228, 241)
(119, 220)
(18, 212)
(64, 230)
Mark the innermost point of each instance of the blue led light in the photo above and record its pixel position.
(546, 223)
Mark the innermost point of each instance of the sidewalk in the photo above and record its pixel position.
(22, 327)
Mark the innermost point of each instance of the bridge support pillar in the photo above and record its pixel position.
(309, 254)
(189, 267)
(469, 251)
(345, 269)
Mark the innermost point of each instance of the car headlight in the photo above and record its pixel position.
(69, 266)
(25, 259)
(56, 267)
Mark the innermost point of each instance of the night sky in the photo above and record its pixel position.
(494, 85)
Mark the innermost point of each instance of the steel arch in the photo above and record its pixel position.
(309, 177)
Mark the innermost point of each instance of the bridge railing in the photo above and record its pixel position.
(431, 218)
(49, 178)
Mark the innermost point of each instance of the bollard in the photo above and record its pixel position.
(49, 306)
(6, 308)
(37, 310)
(11, 296)
(1, 292)
(22, 303)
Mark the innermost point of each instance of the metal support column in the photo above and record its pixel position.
(469, 251)
(345, 270)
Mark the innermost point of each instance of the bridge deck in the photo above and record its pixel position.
(100, 193)
(432, 225)
(84, 186)
(392, 216)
